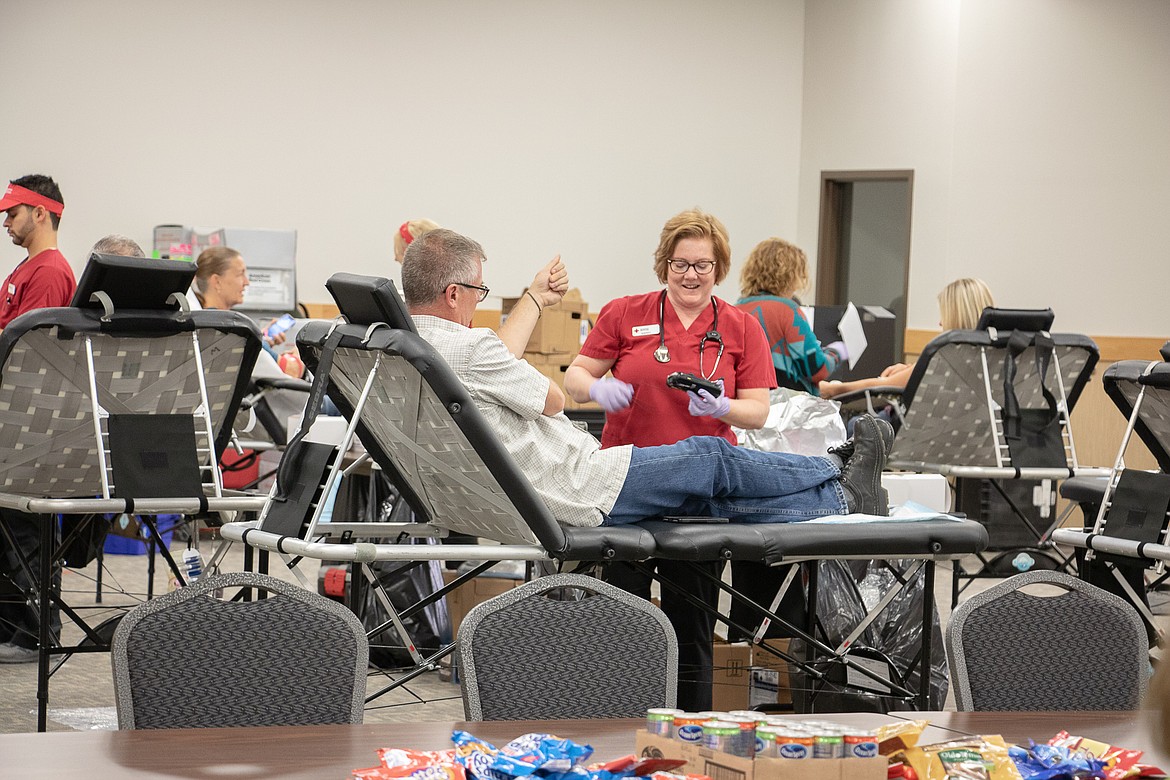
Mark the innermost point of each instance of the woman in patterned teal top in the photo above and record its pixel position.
(772, 275)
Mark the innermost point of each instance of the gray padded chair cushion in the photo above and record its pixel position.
(189, 660)
(1084, 649)
(523, 655)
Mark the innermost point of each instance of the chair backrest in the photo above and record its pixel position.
(1124, 381)
(191, 660)
(1083, 649)
(948, 417)
(365, 300)
(1015, 319)
(145, 367)
(542, 651)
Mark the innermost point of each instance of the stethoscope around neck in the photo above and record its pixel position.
(662, 354)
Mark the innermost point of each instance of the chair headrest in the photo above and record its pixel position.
(1031, 320)
(365, 300)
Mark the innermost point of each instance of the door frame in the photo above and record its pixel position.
(835, 212)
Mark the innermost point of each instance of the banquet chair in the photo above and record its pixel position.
(566, 646)
(1083, 649)
(192, 660)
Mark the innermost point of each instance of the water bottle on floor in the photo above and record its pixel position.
(192, 565)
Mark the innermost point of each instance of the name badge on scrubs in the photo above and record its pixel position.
(645, 330)
(12, 291)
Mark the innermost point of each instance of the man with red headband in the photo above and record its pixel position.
(32, 207)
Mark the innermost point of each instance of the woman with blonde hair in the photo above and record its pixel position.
(960, 303)
(772, 275)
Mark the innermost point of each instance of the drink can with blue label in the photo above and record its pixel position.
(794, 744)
(860, 744)
(688, 727)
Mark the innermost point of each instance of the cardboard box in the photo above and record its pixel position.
(724, 766)
(554, 366)
(561, 327)
(732, 675)
(480, 589)
(770, 682)
(746, 677)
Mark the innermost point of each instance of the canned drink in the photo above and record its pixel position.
(660, 721)
(758, 717)
(723, 736)
(712, 715)
(828, 744)
(688, 727)
(794, 744)
(766, 739)
(860, 744)
(747, 735)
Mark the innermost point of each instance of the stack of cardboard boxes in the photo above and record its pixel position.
(557, 338)
(746, 677)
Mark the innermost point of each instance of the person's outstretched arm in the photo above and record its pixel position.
(548, 287)
(894, 376)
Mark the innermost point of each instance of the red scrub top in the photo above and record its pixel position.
(626, 332)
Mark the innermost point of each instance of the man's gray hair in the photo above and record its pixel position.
(115, 244)
(436, 260)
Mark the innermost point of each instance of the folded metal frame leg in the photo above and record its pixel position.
(422, 664)
(821, 653)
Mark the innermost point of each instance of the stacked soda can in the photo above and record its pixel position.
(748, 733)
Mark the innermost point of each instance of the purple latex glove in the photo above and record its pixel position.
(612, 394)
(840, 348)
(703, 404)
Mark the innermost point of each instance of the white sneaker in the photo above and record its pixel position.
(15, 654)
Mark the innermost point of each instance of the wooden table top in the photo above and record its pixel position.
(334, 751)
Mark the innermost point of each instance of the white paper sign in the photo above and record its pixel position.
(852, 334)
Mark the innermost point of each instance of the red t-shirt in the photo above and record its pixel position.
(627, 333)
(39, 282)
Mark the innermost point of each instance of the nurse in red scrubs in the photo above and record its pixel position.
(639, 340)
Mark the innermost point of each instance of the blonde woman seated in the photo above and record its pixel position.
(960, 303)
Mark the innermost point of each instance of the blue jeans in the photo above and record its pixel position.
(706, 476)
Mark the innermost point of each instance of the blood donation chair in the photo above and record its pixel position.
(418, 423)
(118, 405)
(1123, 541)
(995, 406)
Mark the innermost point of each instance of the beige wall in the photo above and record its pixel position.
(1036, 129)
(536, 127)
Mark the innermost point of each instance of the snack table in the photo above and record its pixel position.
(334, 751)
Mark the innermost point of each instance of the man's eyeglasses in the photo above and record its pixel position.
(483, 289)
(702, 268)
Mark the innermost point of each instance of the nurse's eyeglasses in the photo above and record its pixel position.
(483, 289)
(702, 268)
